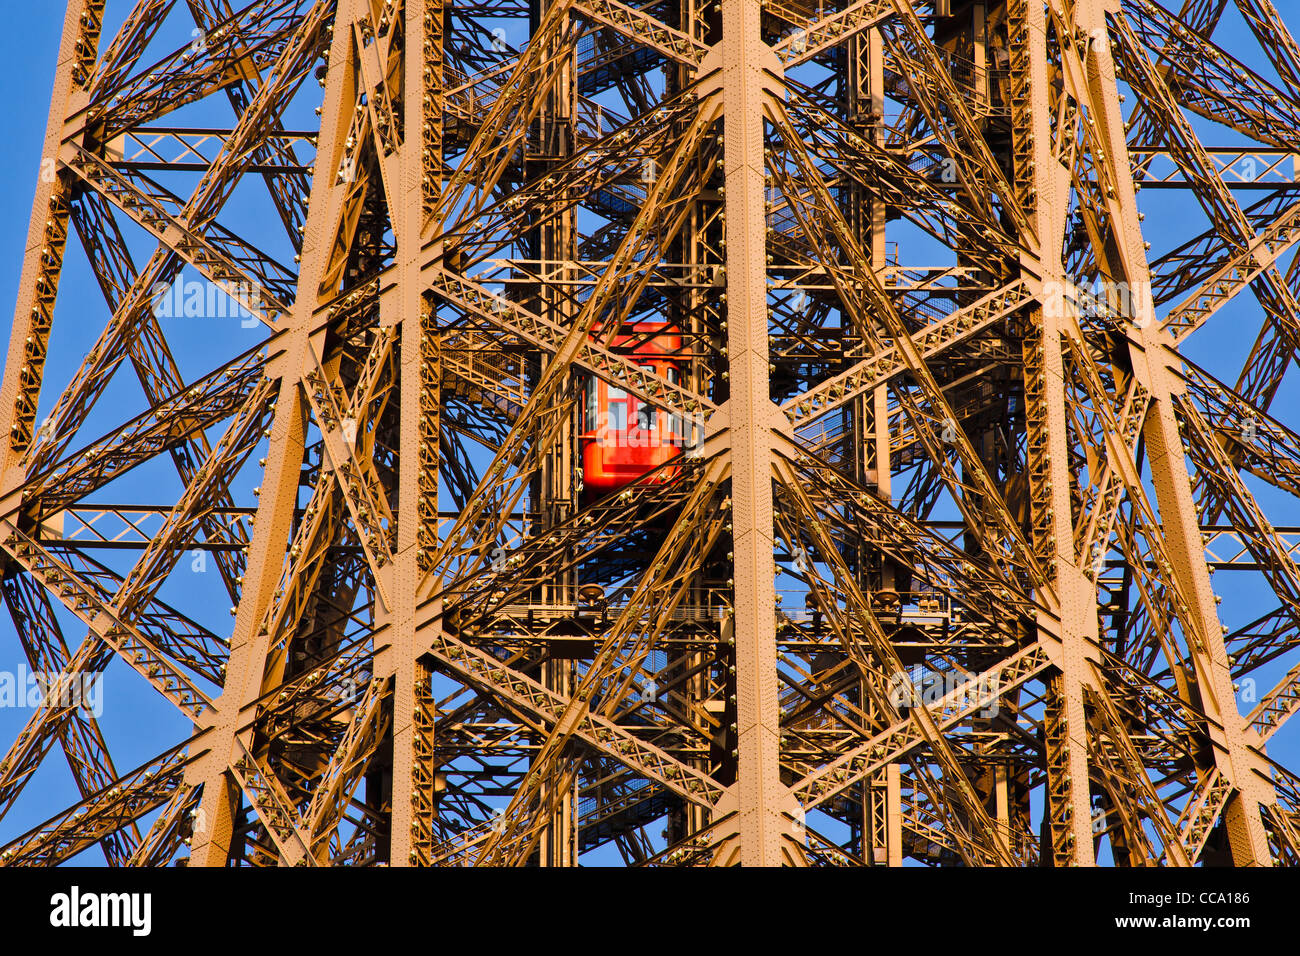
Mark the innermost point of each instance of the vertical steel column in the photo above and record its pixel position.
(1155, 366)
(46, 235)
(881, 827)
(273, 522)
(557, 498)
(1040, 183)
(741, 57)
(410, 832)
(690, 315)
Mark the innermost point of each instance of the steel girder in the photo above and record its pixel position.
(932, 581)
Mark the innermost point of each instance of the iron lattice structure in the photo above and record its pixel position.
(932, 580)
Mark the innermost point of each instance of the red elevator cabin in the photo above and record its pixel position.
(622, 437)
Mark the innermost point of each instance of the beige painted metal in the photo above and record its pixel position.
(444, 651)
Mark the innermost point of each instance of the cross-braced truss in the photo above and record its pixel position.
(931, 581)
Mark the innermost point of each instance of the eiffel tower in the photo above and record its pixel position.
(955, 545)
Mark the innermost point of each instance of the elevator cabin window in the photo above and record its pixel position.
(624, 438)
